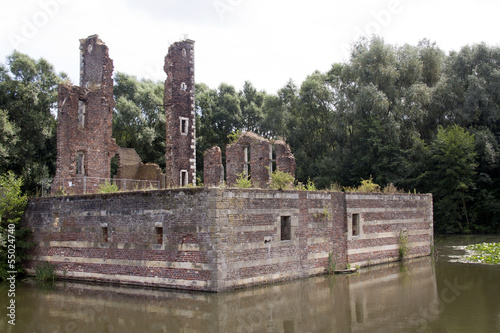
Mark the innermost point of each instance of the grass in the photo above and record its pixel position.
(45, 272)
(403, 245)
(331, 263)
(485, 253)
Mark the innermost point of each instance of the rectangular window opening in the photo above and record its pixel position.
(247, 162)
(81, 114)
(184, 178)
(159, 235)
(56, 220)
(355, 224)
(272, 158)
(286, 228)
(184, 125)
(80, 163)
(104, 234)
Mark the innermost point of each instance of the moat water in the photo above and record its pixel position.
(423, 295)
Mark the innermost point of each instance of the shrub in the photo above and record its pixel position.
(107, 187)
(310, 185)
(281, 180)
(243, 181)
(12, 205)
(368, 186)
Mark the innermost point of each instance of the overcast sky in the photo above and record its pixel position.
(266, 42)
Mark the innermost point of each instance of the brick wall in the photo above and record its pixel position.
(213, 170)
(252, 155)
(219, 239)
(382, 218)
(180, 114)
(71, 231)
(84, 121)
(250, 227)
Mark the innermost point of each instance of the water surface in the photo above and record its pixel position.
(423, 295)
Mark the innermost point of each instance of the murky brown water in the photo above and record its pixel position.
(419, 296)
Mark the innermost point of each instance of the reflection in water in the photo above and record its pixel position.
(419, 296)
(387, 298)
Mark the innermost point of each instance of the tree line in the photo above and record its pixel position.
(412, 116)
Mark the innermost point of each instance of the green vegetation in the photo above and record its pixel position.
(45, 272)
(281, 180)
(332, 265)
(108, 187)
(14, 244)
(486, 253)
(28, 94)
(403, 245)
(243, 181)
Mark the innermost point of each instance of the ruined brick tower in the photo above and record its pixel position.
(84, 123)
(180, 115)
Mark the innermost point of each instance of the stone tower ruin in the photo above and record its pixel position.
(84, 123)
(180, 115)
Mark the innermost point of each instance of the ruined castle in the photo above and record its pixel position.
(214, 238)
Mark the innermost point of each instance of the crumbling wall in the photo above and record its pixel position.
(213, 170)
(285, 161)
(84, 123)
(133, 174)
(180, 115)
(252, 156)
(249, 155)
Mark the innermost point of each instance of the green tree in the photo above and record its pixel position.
(450, 176)
(28, 97)
(139, 117)
(12, 234)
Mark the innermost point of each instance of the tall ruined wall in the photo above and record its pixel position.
(379, 219)
(161, 238)
(213, 170)
(255, 157)
(84, 122)
(258, 248)
(180, 114)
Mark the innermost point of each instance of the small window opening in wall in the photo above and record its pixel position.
(355, 224)
(272, 158)
(81, 114)
(80, 163)
(247, 162)
(286, 228)
(159, 235)
(56, 220)
(183, 86)
(104, 234)
(184, 178)
(184, 53)
(184, 125)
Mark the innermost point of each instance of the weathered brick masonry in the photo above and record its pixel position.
(180, 114)
(84, 143)
(381, 220)
(220, 239)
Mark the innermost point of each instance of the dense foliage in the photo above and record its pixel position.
(28, 95)
(13, 237)
(407, 115)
